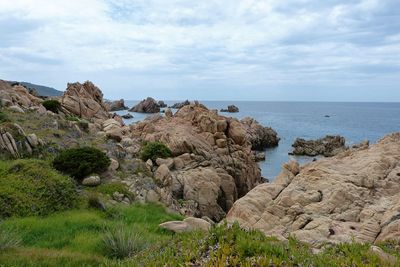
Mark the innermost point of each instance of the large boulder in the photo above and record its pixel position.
(84, 100)
(116, 105)
(17, 97)
(328, 146)
(260, 137)
(148, 105)
(352, 196)
(231, 109)
(212, 160)
(180, 104)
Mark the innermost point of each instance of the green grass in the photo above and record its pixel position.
(78, 234)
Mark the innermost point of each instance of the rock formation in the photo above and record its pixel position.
(162, 104)
(84, 100)
(17, 97)
(148, 105)
(259, 136)
(180, 105)
(328, 146)
(354, 195)
(231, 109)
(212, 163)
(116, 105)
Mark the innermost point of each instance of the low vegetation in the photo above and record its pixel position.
(52, 105)
(81, 162)
(154, 150)
(32, 187)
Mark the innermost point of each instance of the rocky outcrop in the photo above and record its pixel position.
(127, 116)
(231, 109)
(148, 105)
(187, 225)
(212, 162)
(116, 105)
(17, 97)
(180, 104)
(328, 146)
(15, 143)
(84, 100)
(352, 196)
(260, 137)
(162, 104)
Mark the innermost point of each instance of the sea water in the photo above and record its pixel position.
(310, 120)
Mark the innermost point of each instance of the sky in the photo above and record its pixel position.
(273, 50)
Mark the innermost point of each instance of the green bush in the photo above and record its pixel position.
(121, 243)
(154, 150)
(80, 162)
(3, 117)
(32, 187)
(72, 118)
(52, 105)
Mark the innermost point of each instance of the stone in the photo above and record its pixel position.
(32, 140)
(180, 105)
(93, 180)
(162, 175)
(221, 143)
(260, 137)
(259, 156)
(168, 113)
(148, 105)
(187, 225)
(383, 256)
(351, 196)
(114, 165)
(328, 146)
(85, 101)
(116, 105)
(169, 162)
(127, 116)
(162, 104)
(231, 109)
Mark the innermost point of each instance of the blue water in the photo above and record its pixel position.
(355, 121)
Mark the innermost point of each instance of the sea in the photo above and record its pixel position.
(309, 120)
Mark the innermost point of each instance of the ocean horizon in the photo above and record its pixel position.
(356, 121)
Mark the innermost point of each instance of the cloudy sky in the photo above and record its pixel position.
(208, 50)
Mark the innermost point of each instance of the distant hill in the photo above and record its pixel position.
(42, 90)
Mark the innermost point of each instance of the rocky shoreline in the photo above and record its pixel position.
(212, 171)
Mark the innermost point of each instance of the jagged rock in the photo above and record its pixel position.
(162, 175)
(17, 96)
(213, 178)
(116, 105)
(328, 146)
(161, 104)
(169, 162)
(127, 116)
(351, 196)
(93, 180)
(84, 100)
(168, 113)
(259, 156)
(260, 137)
(180, 105)
(231, 109)
(148, 105)
(187, 225)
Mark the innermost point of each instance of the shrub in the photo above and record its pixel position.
(3, 117)
(8, 239)
(52, 105)
(32, 187)
(80, 162)
(121, 243)
(72, 118)
(154, 150)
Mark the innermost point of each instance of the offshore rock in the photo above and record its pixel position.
(148, 105)
(328, 146)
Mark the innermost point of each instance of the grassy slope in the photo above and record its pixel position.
(75, 237)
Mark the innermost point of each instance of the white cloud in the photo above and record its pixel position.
(238, 42)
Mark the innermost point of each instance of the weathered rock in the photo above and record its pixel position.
(17, 96)
(231, 109)
(168, 113)
(127, 116)
(260, 137)
(116, 105)
(161, 104)
(162, 176)
(169, 162)
(114, 165)
(328, 146)
(187, 225)
(93, 180)
(181, 104)
(84, 100)
(352, 196)
(148, 105)
(259, 156)
(211, 177)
